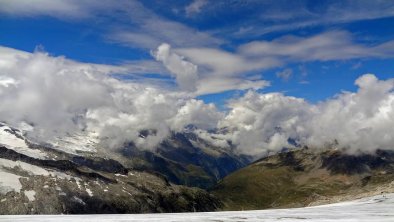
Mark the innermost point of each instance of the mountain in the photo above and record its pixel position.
(63, 177)
(75, 174)
(184, 159)
(305, 177)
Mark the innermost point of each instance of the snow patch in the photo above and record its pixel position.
(9, 182)
(30, 194)
(79, 142)
(90, 193)
(31, 169)
(78, 200)
(35, 170)
(17, 143)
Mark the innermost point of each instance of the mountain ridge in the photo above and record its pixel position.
(301, 177)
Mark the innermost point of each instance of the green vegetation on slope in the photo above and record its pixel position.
(297, 178)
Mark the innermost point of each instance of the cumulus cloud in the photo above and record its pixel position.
(261, 123)
(184, 71)
(206, 71)
(359, 121)
(60, 96)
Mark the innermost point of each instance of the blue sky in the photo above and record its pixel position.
(308, 49)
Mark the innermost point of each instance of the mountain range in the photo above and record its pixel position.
(185, 173)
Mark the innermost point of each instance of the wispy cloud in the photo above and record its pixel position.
(148, 30)
(128, 23)
(285, 74)
(62, 9)
(263, 17)
(333, 45)
(220, 70)
(137, 26)
(195, 7)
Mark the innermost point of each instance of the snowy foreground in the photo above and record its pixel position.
(377, 208)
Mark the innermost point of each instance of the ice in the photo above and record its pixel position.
(377, 208)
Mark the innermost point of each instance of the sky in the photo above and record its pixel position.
(213, 56)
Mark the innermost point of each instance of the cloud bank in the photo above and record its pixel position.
(353, 121)
(60, 96)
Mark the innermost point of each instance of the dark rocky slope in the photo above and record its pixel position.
(83, 185)
(183, 159)
(302, 177)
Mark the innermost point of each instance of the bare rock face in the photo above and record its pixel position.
(184, 159)
(80, 185)
(74, 175)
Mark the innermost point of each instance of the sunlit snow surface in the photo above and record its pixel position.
(378, 208)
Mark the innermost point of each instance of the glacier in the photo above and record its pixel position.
(375, 208)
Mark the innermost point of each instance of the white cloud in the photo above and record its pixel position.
(142, 28)
(333, 45)
(223, 63)
(285, 74)
(62, 9)
(197, 113)
(195, 7)
(59, 96)
(184, 71)
(57, 8)
(220, 70)
(211, 85)
(260, 123)
(209, 71)
(128, 23)
(360, 121)
(275, 16)
(7, 81)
